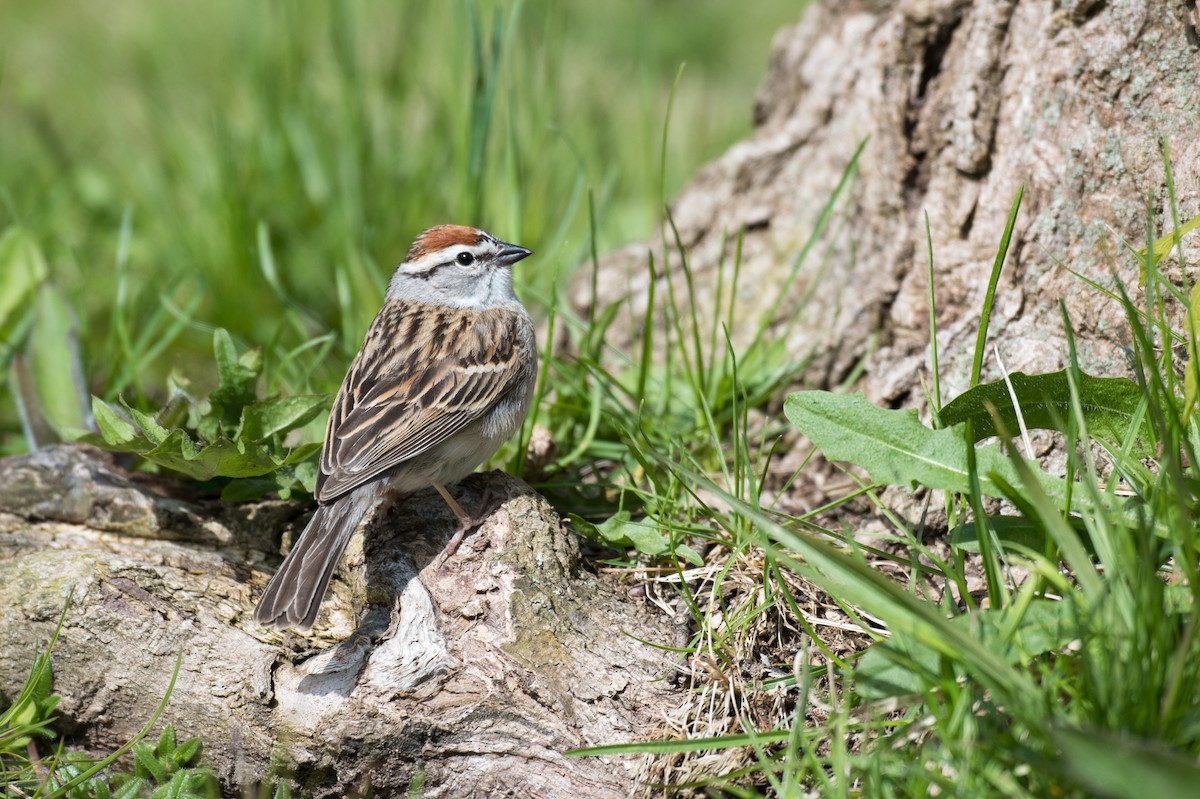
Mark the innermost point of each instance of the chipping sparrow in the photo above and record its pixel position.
(445, 374)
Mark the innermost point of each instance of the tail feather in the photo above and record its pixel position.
(293, 597)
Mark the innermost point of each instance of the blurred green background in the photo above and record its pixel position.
(170, 168)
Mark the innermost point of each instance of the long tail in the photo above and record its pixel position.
(294, 594)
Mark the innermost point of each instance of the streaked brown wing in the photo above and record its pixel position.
(406, 392)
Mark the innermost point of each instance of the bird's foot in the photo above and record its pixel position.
(466, 521)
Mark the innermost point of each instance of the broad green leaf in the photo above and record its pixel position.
(220, 458)
(281, 414)
(166, 742)
(1109, 404)
(235, 436)
(249, 489)
(896, 449)
(1018, 532)
(646, 537)
(186, 752)
(690, 555)
(148, 425)
(115, 432)
(302, 453)
(146, 764)
(43, 670)
(284, 480)
(132, 789)
(237, 378)
(175, 412)
(178, 451)
(620, 530)
(1124, 767)
(305, 473)
(24, 713)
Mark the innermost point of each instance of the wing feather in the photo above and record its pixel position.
(414, 384)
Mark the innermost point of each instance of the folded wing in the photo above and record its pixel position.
(415, 383)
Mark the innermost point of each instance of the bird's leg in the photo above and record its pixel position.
(466, 521)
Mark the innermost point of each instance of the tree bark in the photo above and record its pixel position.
(480, 672)
(960, 104)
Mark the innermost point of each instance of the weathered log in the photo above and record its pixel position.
(480, 672)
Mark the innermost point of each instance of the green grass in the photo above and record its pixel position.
(38, 763)
(153, 197)
(262, 167)
(1073, 673)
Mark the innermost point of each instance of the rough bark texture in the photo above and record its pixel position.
(962, 103)
(482, 671)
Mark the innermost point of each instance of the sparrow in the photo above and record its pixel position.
(445, 374)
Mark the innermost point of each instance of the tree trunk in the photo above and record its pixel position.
(960, 105)
(480, 672)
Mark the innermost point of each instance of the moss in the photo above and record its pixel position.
(541, 626)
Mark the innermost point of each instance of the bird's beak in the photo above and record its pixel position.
(511, 253)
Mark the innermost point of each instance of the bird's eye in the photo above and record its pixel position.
(465, 258)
